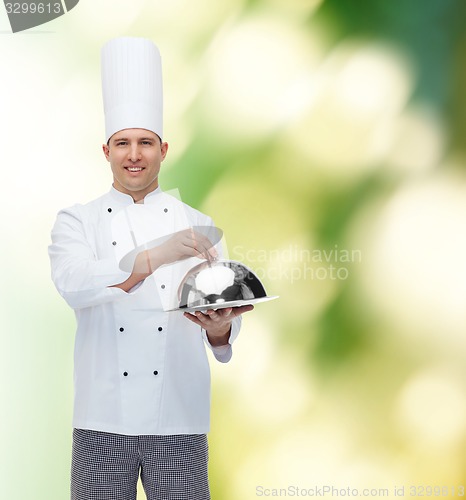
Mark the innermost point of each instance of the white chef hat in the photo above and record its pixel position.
(132, 85)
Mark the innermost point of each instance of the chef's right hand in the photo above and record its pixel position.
(182, 245)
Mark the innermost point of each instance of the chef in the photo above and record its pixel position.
(141, 374)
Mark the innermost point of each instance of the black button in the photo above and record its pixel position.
(125, 374)
(156, 372)
(109, 210)
(159, 328)
(113, 243)
(122, 329)
(165, 210)
(162, 287)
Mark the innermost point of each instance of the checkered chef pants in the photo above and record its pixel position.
(106, 466)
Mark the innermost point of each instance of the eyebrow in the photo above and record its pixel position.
(139, 139)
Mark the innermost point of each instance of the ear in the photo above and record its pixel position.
(164, 149)
(106, 151)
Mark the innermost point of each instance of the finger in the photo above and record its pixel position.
(208, 251)
(193, 318)
(207, 254)
(213, 315)
(242, 309)
(202, 242)
(213, 253)
(193, 237)
(200, 318)
(202, 239)
(208, 245)
(191, 248)
(224, 313)
(204, 253)
(197, 245)
(204, 318)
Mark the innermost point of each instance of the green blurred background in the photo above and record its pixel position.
(327, 139)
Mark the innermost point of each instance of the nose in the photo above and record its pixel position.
(134, 153)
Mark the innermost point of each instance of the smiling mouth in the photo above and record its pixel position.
(134, 169)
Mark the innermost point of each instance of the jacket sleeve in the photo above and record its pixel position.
(80, 278)
(224, 353)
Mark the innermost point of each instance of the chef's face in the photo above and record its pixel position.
(135, 155)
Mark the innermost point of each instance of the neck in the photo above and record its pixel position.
(138, 196)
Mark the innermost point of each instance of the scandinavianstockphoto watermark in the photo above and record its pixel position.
(294, 263)
(31, 13)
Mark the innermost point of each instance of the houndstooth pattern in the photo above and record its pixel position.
(106, 466)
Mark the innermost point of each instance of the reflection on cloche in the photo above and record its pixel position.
(220, 284)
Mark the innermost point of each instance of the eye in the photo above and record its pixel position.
(121, 143)
(147, 143)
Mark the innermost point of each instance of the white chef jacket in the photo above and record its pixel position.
(138, 370)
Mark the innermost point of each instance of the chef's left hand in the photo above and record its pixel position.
(217, 323)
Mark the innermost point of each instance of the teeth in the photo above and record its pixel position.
(134, 169)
